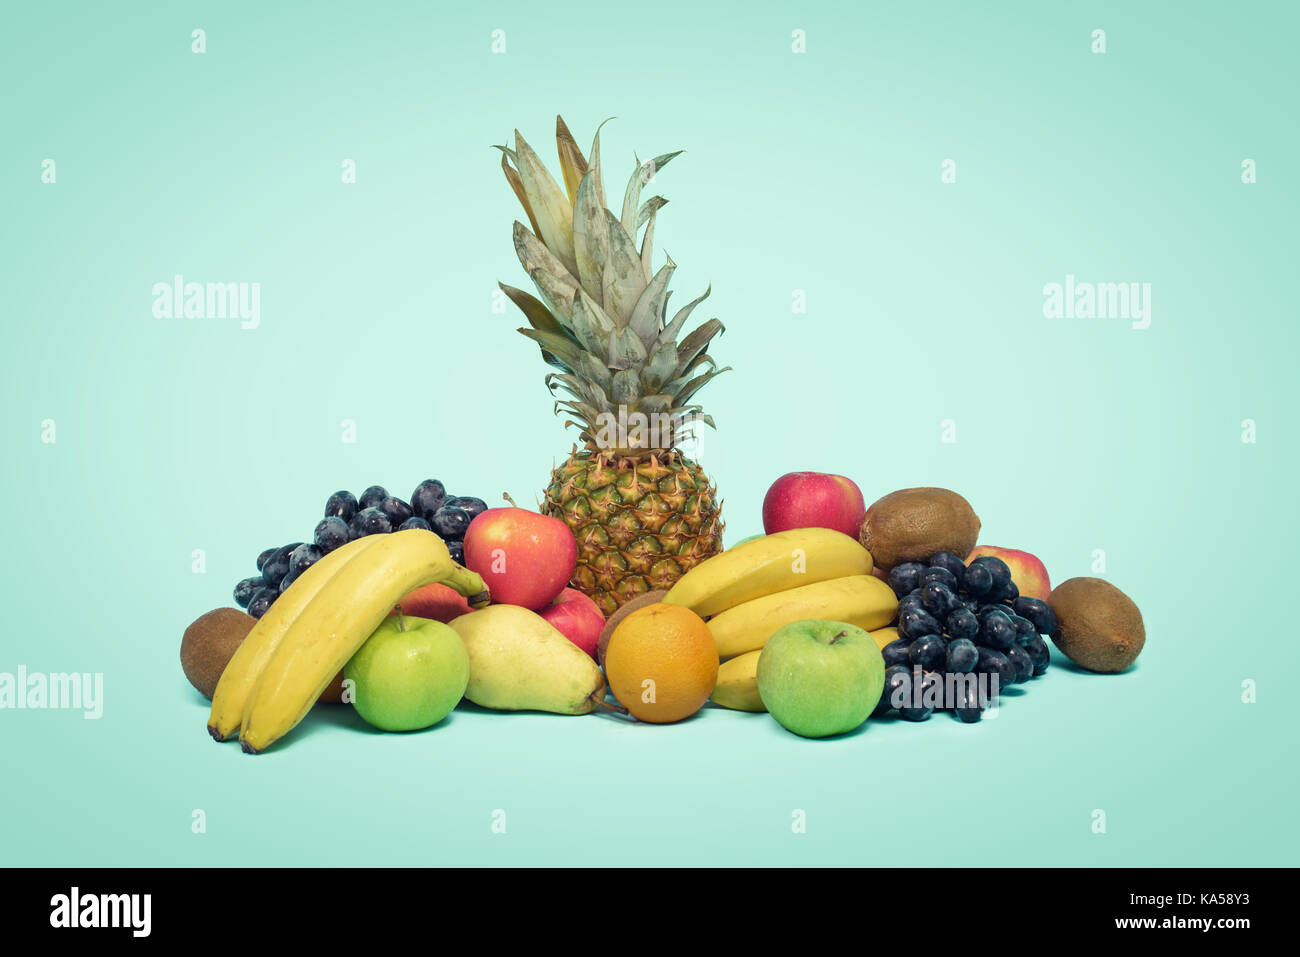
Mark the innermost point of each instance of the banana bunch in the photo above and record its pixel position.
(753, 589)
(306, 636)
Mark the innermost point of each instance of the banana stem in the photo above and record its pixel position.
(468, 584)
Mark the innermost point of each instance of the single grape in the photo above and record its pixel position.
(997, 568)
(997, 632)
(246, 589)
(342, 504)
(994, 609)
(966, 702)
(330, 533)
(1004, 592)
(450, 521)
(262, 601)
(939, 599)
(372, 496)
(1023, 663)
(1024, 629)
(911, 602)
(457, 550)
(475, 506)
(905, 578)
(415, 522)
(302, 558)
(923, 697)
(262, 558)
(369, 521)
(949, 561)
(962, 656)
(895, 677)
(962, 623)
(1039, 612)
(1039, 654)
(996, 665)
(396, 510)
(936, 573)
(914, 624)
(929, 652)
(977, 580)
(895, 653)
(428, 498)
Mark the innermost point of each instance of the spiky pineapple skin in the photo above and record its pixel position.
(639, 526)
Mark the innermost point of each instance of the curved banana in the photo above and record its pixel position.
(737, 686)
(338, 621)
(861, 600)
(235, 687)
(773, 563)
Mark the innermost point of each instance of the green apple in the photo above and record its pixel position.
(409, 674)
(819, 678)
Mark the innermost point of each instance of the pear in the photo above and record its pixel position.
(518, 661)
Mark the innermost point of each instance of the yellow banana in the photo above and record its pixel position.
(737, 686)
(338, 621)
(884, 636)
(238, 680)
(773, 563)
(861, 600)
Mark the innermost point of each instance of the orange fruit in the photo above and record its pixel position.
(662, 663)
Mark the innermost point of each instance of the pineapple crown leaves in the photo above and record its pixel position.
(602, 316)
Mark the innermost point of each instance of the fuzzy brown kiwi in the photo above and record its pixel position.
(912, 524)
(649, 598)
(1100, 627)
(209, 643)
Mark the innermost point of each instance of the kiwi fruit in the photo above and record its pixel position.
(1100, 628)
(209, 643)
(614, 620)
(912, 524)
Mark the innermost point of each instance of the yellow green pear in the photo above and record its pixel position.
(519, 662)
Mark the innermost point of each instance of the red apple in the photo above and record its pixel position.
(435, 602)
(524, 557)
(813, 500)
(576, 617)
(1029, 574)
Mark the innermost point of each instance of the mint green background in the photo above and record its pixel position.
(817, 172)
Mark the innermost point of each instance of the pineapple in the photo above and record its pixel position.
(641, 511)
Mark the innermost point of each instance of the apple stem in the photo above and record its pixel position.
(401, 623)
(506, 496)
(842, 634)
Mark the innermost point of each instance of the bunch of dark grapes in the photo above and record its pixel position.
(348, 517)
(956, 620)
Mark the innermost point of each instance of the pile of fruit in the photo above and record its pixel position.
(348, 518)
(618, 596)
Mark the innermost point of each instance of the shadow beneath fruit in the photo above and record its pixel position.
(1065, 664)
(325, 716)
(198, 698)
(346, 716)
